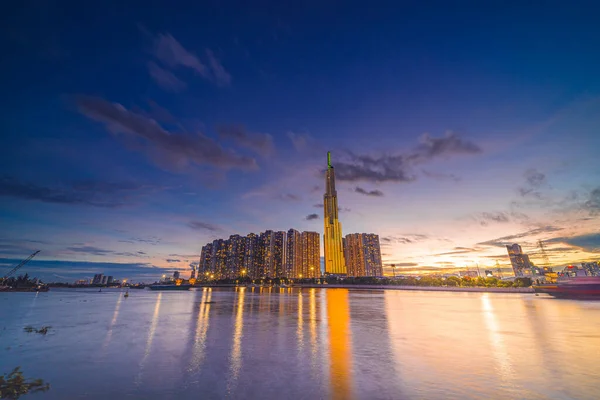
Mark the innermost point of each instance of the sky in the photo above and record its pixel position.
(133, 135)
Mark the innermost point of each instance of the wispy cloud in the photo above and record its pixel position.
(261, 143)
(311, 217)
(374, 193)
(170, 150)
(203, 226)
(89, 193)
(221, 76)
(289, 197)
(533, 181)
(589, 242)
(165, 79)
(172, 260)
(507, 240)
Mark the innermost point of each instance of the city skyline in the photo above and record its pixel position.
(124, 151)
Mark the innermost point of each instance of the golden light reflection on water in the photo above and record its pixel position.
(300, 328)
(150, 337)
(500, 354)
(236, 349)
(338, 317)
(202, 322)
(313, 323)
(113, 321)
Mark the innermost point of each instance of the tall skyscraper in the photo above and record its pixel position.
(251, 256)
(205, 261)
(332, 237)
(520, 261)
(277, 260)
(363, 254)
(293, 254)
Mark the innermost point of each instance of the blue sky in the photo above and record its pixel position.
(133, 135)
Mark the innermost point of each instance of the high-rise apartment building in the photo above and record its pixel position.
(218, 259)
(591, 268)
(235, 255)
(205, 261)
(363, 254)
(521, 264)
(97, 279)
(251, 256)
(332, 236)
(277, 260)
(311, 254)
(293, 254)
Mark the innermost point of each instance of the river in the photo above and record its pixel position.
(302, 344)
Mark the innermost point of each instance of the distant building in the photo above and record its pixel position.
(521, 264)
(293, 254)
(363, 254)
(176, 275)
(97, 279)
(204, 267)
(470, 274)
(104, 280)
(311, 255)
(110, 280)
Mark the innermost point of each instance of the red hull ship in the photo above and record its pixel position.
(585, 287)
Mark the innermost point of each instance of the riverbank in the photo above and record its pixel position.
(403, 287)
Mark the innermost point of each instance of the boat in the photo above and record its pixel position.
(581, 287)
(169, 286)
(127, 294)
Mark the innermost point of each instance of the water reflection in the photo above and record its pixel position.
(150, 337)
(113, 321)
(300, 325)
(202, 321)
(236, 356)
(338, 318)
(500, 354)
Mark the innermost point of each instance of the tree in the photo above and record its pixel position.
(13, 385)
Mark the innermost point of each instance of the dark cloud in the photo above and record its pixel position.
(89, 193)
(589, 242)
(165, 79)
(458, 250)
(533, 181)
(171, 150)
(90, 250)
(592, 204)
(439, 176)
(318, 205)
(288, 197)
(485, 218)
(374, 193)
(153, 240)
(203, 226)
(172, 260)
(261, 143)
(507, 240)
(311, 217)
(398, 168)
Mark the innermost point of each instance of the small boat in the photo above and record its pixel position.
(126, 294)
(170, 287)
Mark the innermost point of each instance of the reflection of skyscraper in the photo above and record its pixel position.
(332, 237)
(363, 254)
(519, 260)
(338, 319)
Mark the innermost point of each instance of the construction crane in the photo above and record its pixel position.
(15, 269)
(544, 255)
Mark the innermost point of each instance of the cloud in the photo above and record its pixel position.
(304, 142)
(440, 176)
(458, 250)
(318, 205)
(221, 76)
(533, 181)
(172, 260)
(375, 193)
(405, 239)
(288, 197)
(486, 217)
(592, 205)
(165, 79)
(88, 193)
(199, 225)
(90, 250)
(589, 242)
(398, 168)
(172, 53)
(507, 240)
(403, 264)
(174, 151)
(311, 217)
(261, 143)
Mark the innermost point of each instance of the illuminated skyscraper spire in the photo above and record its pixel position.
(332, 237)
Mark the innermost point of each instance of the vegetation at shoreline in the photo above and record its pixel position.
(14, 385)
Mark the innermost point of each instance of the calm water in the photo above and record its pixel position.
(303, 344)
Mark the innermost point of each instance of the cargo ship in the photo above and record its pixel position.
(581, 287)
